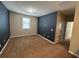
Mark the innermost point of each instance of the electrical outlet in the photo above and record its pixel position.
(4, 40)
(44, 35)
(47, 36)
(0, 45)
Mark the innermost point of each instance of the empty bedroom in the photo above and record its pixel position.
(39, 29)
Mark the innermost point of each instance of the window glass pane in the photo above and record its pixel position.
(26, 23)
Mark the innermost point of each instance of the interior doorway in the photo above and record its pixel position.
(67, 27)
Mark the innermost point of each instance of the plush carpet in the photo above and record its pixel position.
(34, 47)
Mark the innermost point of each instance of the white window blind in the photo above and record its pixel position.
(26, 23)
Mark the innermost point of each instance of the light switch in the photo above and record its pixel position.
(51, 29)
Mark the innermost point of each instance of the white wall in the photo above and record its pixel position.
(74, 44)
(16, 25)
(69, 28)
(60, 19)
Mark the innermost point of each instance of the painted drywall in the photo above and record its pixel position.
(74, 44)
(16, 25)
(59, 24)
(47, 26)
(4, 25)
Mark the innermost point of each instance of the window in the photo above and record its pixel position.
(26, 23)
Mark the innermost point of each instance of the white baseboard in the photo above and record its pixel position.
(46, 39)
(73, 54)
(18, 36)
(5, 45)
(22, 35)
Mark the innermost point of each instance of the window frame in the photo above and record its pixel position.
(28, 23)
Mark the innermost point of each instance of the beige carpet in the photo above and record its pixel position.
(33, 46)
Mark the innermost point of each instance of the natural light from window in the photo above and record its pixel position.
(26, 23)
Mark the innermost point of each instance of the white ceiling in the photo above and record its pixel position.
(41, 7)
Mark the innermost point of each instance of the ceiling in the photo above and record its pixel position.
(39, 8)
(69, 12)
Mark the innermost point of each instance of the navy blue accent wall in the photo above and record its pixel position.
(45, 24)
(4, 25)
